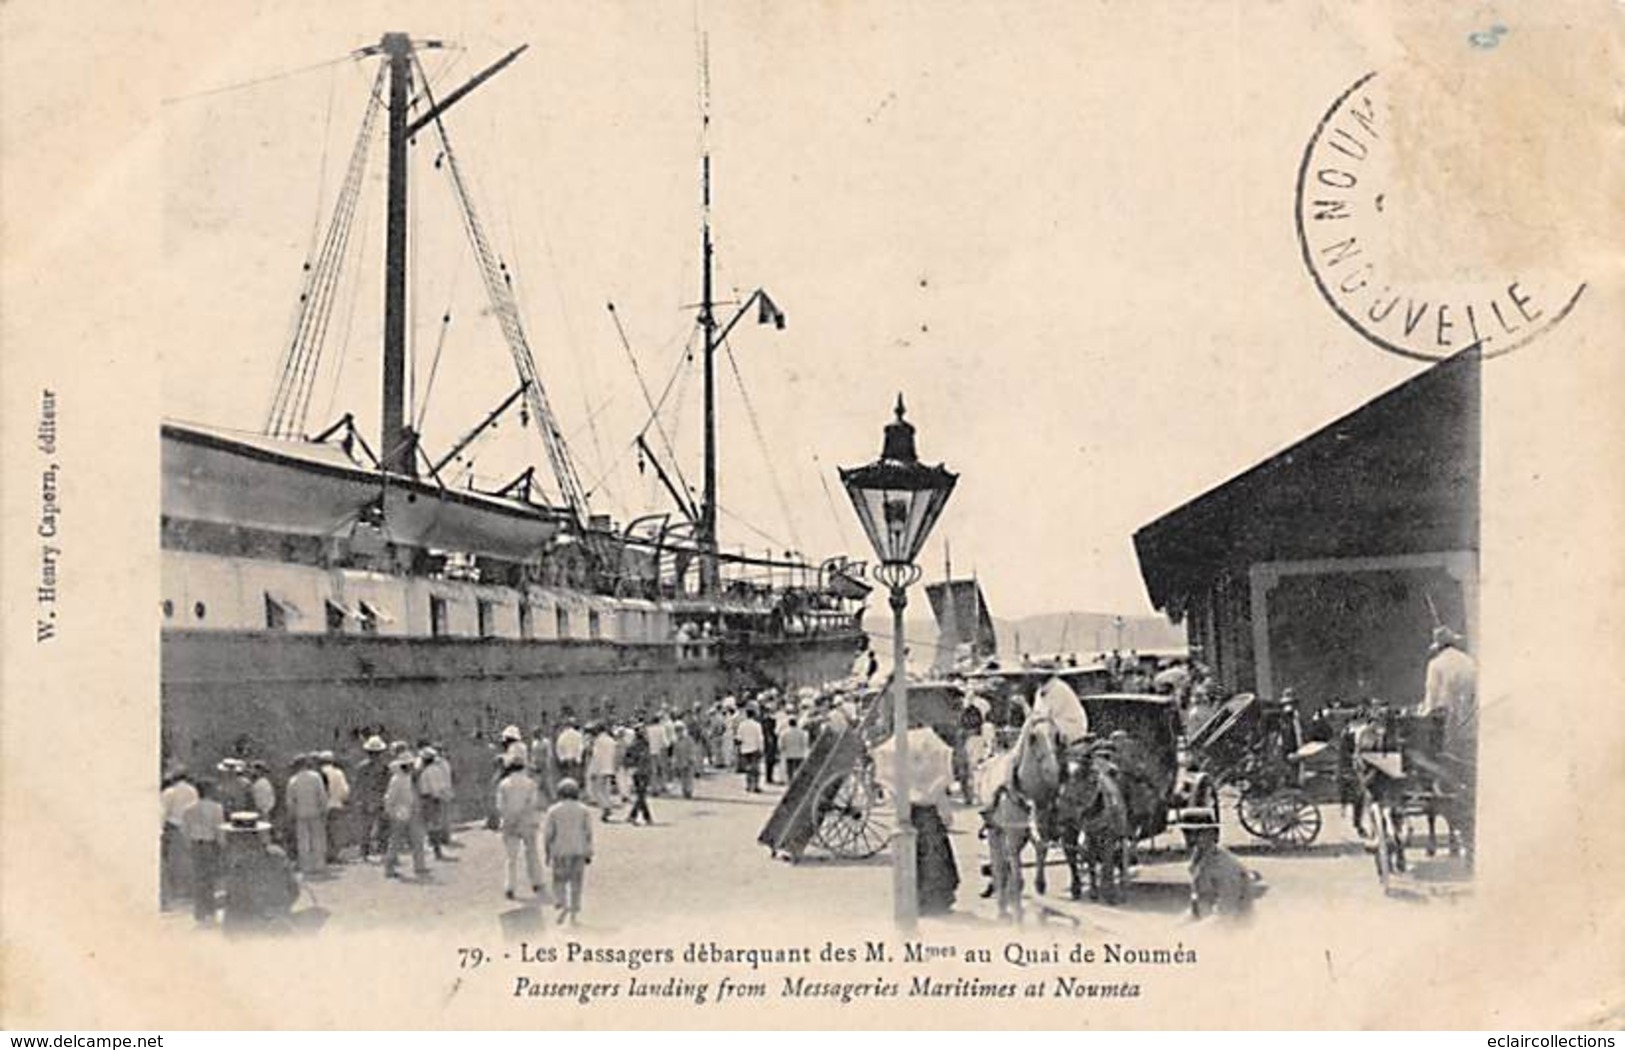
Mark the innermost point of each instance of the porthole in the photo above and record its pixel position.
(169, 609)
(200, 610)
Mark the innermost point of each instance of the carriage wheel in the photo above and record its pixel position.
(1258, 814)
(852, 823)
(1300, 820)
(1248, 812)
(1286, 817)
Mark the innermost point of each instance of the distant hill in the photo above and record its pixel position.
(1084, 633)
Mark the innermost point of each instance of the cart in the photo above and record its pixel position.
(1404, 775)
(1255, 751)
(1142, 732)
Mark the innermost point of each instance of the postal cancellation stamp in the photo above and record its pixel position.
(1401, 246)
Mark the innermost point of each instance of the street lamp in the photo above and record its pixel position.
(898, 499)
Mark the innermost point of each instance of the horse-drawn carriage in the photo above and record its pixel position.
(1096, 793)
(1405, 774)
(1098, 788)
(1257, 751)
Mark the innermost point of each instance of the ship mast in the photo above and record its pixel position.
(398, 443)
(709, 575)
(715, 337)
(397, 440)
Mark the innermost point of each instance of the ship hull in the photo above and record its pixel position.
(276, 695)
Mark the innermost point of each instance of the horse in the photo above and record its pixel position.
(1037, 776)
(1091, 807)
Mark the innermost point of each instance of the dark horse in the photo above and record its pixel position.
(1091, 801)
(1438, 783)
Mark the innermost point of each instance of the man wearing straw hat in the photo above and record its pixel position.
(435, 795)
(1452, 690)
(405, 819)
(260, 885)
(518, 807)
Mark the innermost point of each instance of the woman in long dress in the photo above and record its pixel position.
(936, 872)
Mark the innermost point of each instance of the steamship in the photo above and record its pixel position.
(317, 584)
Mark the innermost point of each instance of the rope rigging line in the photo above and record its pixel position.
(829, 501)
(316, 301)
(323, 308)
(678, 371)
(500, 296)
(439, 347)
(349, 319)
(321, 176)
(654, 421)
(592, 414)
(654, 406)
(776, 541)
(571, 339)
(761, 440)
(412, 244)
(290, 403)
(270, 78)
(453, 59)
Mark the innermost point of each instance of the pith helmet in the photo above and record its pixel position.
(375, 744)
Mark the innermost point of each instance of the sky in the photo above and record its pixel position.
(1040, 224)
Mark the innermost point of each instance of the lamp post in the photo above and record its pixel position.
(898, 500)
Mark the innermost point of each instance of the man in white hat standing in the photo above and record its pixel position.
(1452, 688)
(405, 819)
(307, 804)
(518, 807)
(1452, 698)
(434, 785)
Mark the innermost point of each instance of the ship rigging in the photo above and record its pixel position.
(403, 97)
(315, 584)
